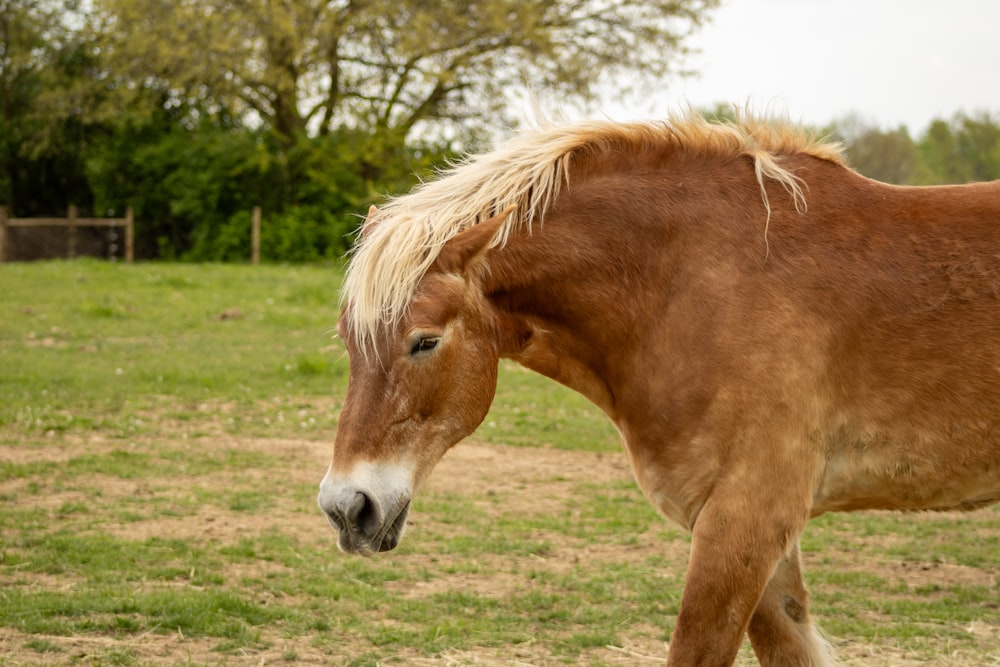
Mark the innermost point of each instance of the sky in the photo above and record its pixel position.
(891, 62)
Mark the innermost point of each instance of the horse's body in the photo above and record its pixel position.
(774, 335)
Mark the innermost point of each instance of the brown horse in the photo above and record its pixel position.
(774, 335)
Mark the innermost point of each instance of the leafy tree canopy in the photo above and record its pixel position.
(387, 65)
(193, 111)
(960, 150)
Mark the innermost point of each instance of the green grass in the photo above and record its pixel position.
(162, 431)
(130, 350)
(91, 345)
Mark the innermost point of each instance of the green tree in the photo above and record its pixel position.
(348, 99)
(181, 179)
(192, 187)
(192, 112)
(890, 157)
(966, 149)
(46, 91)
(387, 66)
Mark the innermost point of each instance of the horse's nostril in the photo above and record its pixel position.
(363, 514)
(357, 507)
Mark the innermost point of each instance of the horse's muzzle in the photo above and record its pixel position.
(365, 523)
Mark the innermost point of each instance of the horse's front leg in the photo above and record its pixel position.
(780, 630)
(748, 523)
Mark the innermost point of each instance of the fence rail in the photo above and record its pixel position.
(72, 222)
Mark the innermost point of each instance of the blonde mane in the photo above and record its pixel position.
(528, 174)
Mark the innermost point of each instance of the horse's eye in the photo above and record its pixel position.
(424, 345)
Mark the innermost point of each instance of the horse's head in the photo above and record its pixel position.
(425, 382)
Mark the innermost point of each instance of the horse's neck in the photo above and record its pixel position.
(580, 290)
(623, 262)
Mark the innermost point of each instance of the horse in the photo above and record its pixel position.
(774, 335)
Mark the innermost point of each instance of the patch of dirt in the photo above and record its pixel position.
(144, 649)
(471, 468)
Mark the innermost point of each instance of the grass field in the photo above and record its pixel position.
(163, 429)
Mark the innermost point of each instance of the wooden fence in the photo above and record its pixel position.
(255, 236)
(72, 222)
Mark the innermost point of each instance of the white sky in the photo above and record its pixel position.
(892, 62)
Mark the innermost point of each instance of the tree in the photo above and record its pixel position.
(193, 110)
(44, 92)
(386, 66)
(966, 149)
(890, 156)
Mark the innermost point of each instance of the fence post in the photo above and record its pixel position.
(129, 236)
(255, 237)
(3, 233)
(71, 245)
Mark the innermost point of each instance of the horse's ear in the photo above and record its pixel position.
(370, 220)
(462, 251)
